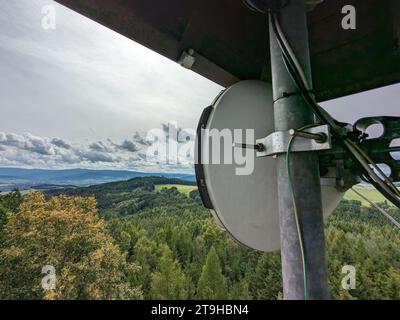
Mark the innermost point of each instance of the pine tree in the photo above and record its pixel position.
(212, 283)
(168, 282)
(147, 256)
(266, 279)
(240, 290)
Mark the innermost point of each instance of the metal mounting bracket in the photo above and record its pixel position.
(187, 59)
(277, 142)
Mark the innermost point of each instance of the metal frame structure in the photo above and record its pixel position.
(290, 112)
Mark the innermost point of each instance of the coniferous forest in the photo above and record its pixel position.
(127, 240)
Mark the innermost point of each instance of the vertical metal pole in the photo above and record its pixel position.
(291, 112)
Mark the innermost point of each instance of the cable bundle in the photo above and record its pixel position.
(384, 185)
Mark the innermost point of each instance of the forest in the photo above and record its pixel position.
(136, 240)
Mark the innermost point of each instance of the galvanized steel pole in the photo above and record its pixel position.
(292, 112)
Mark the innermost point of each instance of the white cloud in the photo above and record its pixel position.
(27, 142)
(27, 150)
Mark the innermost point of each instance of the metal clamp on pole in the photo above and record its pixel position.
(312, 139)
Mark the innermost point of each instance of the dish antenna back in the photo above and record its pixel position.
(246, 205)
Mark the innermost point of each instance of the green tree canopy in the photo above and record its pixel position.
(212, 283)
(168, 282)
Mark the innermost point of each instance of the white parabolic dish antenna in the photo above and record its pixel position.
(246, 205)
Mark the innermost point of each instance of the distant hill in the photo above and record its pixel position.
(28, 178)
(135, 193)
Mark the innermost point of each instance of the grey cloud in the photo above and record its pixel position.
(27, 150)
(181, 135)
(19, 158)
(129, 146)
(142, 156)
(99, 146)
(126, 145)
(27, 142)
(69, 158)
(141, 140)
(61, 143)
(95, 156)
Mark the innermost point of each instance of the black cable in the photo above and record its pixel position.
(296, 77)
(318, 111)
(387, 195)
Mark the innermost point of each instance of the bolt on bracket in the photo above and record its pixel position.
(277, 142)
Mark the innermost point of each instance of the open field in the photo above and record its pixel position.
(370, 193)
(23, 192)
(181, 188)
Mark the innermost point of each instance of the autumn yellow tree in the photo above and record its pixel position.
(68, 234)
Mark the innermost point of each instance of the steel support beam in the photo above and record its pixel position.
(291, 112)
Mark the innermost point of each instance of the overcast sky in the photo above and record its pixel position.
(84, 96)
